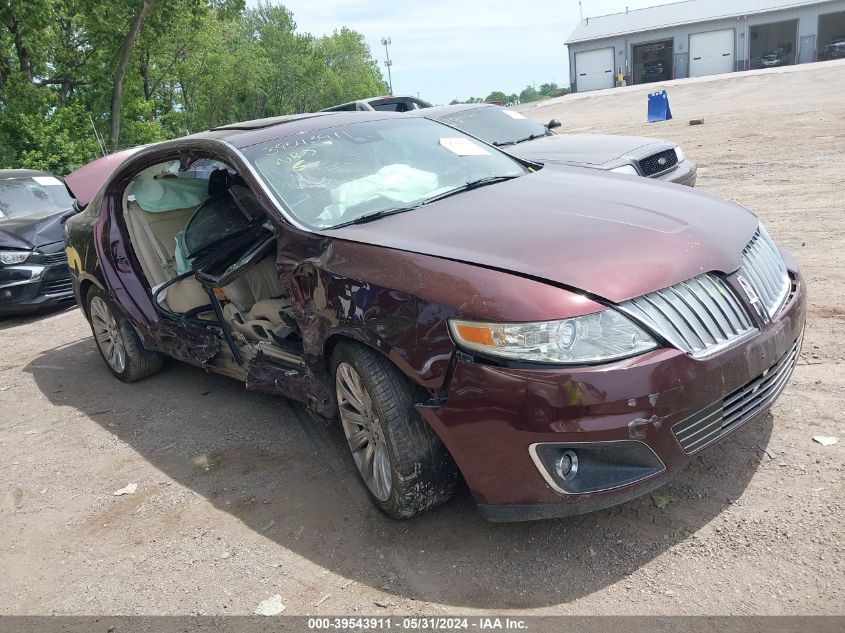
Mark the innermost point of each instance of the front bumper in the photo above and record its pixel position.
(42, 281)
(685, 173)
(494, 415)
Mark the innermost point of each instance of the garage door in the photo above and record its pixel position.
(595, 69)
(711, 53)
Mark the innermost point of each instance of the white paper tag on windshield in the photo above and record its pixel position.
(514, 115)
(46, 181)
(463, 146)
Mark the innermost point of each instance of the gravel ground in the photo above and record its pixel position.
(239, 499)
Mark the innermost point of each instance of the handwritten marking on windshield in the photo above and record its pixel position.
(304, 141)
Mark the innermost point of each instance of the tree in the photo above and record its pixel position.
(497, 95)
(528, 95)
(122, 62)
(350, 71)
(140, 71)
(26, 24)
(548, 89)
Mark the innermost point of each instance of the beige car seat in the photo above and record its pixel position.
(262, 323)
(153, 239)
(156, 251)
(259, 282)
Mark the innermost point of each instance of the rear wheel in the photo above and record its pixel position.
(404, 466)
(118, 342)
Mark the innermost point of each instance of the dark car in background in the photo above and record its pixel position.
(381, 104)
(523, 137)
(563, 338)
(33, 266)
(654, 71)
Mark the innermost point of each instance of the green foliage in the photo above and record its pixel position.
(547, 90)
(35, 134)
(529, 94)
(196, 64)
(470, 100)
(526, 96)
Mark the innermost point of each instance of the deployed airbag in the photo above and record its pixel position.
(401, 183)
(157, 189)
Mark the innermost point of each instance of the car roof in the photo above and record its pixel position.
(257, 124)
(249, 133)
(388, 98)
(85, 181)
(7, 174)
(440, 111)
(371, 101)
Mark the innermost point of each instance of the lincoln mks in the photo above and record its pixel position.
(561, 338)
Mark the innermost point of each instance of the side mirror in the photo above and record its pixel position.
(67, 215)
(553, 124)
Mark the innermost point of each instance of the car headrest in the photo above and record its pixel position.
(218, 182)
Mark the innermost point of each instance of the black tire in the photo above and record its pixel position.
(139, 362)
(422, 471)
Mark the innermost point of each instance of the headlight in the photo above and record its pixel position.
(626, 169)
(599, 337)
(679, 153)
(13, 257)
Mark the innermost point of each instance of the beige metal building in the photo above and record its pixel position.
(701, 37)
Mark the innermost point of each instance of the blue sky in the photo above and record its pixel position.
(445, 49)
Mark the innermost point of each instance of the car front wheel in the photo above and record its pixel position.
(404, 466)
(118, 342)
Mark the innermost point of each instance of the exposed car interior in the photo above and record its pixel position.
(208, 251)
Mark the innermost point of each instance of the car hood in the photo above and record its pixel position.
(31, 232)
(615, 237)
(583, 149)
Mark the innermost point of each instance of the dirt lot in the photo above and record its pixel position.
(239, 499)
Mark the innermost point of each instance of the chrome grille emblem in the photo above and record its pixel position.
(699, 316)
(661, 161)
(753, 298)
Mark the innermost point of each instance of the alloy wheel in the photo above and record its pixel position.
(108, 335)
(363, 431)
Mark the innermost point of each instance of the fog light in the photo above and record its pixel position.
(566, 465)
(7, 294)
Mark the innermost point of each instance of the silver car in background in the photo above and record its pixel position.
(525, 138)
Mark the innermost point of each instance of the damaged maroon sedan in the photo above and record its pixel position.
(562, 338)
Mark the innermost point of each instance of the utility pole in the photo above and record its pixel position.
(580, 10)
(386, 41)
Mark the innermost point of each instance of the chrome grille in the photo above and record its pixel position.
(763, 267)
(652, 165)
(709, 424)
(699, 316)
